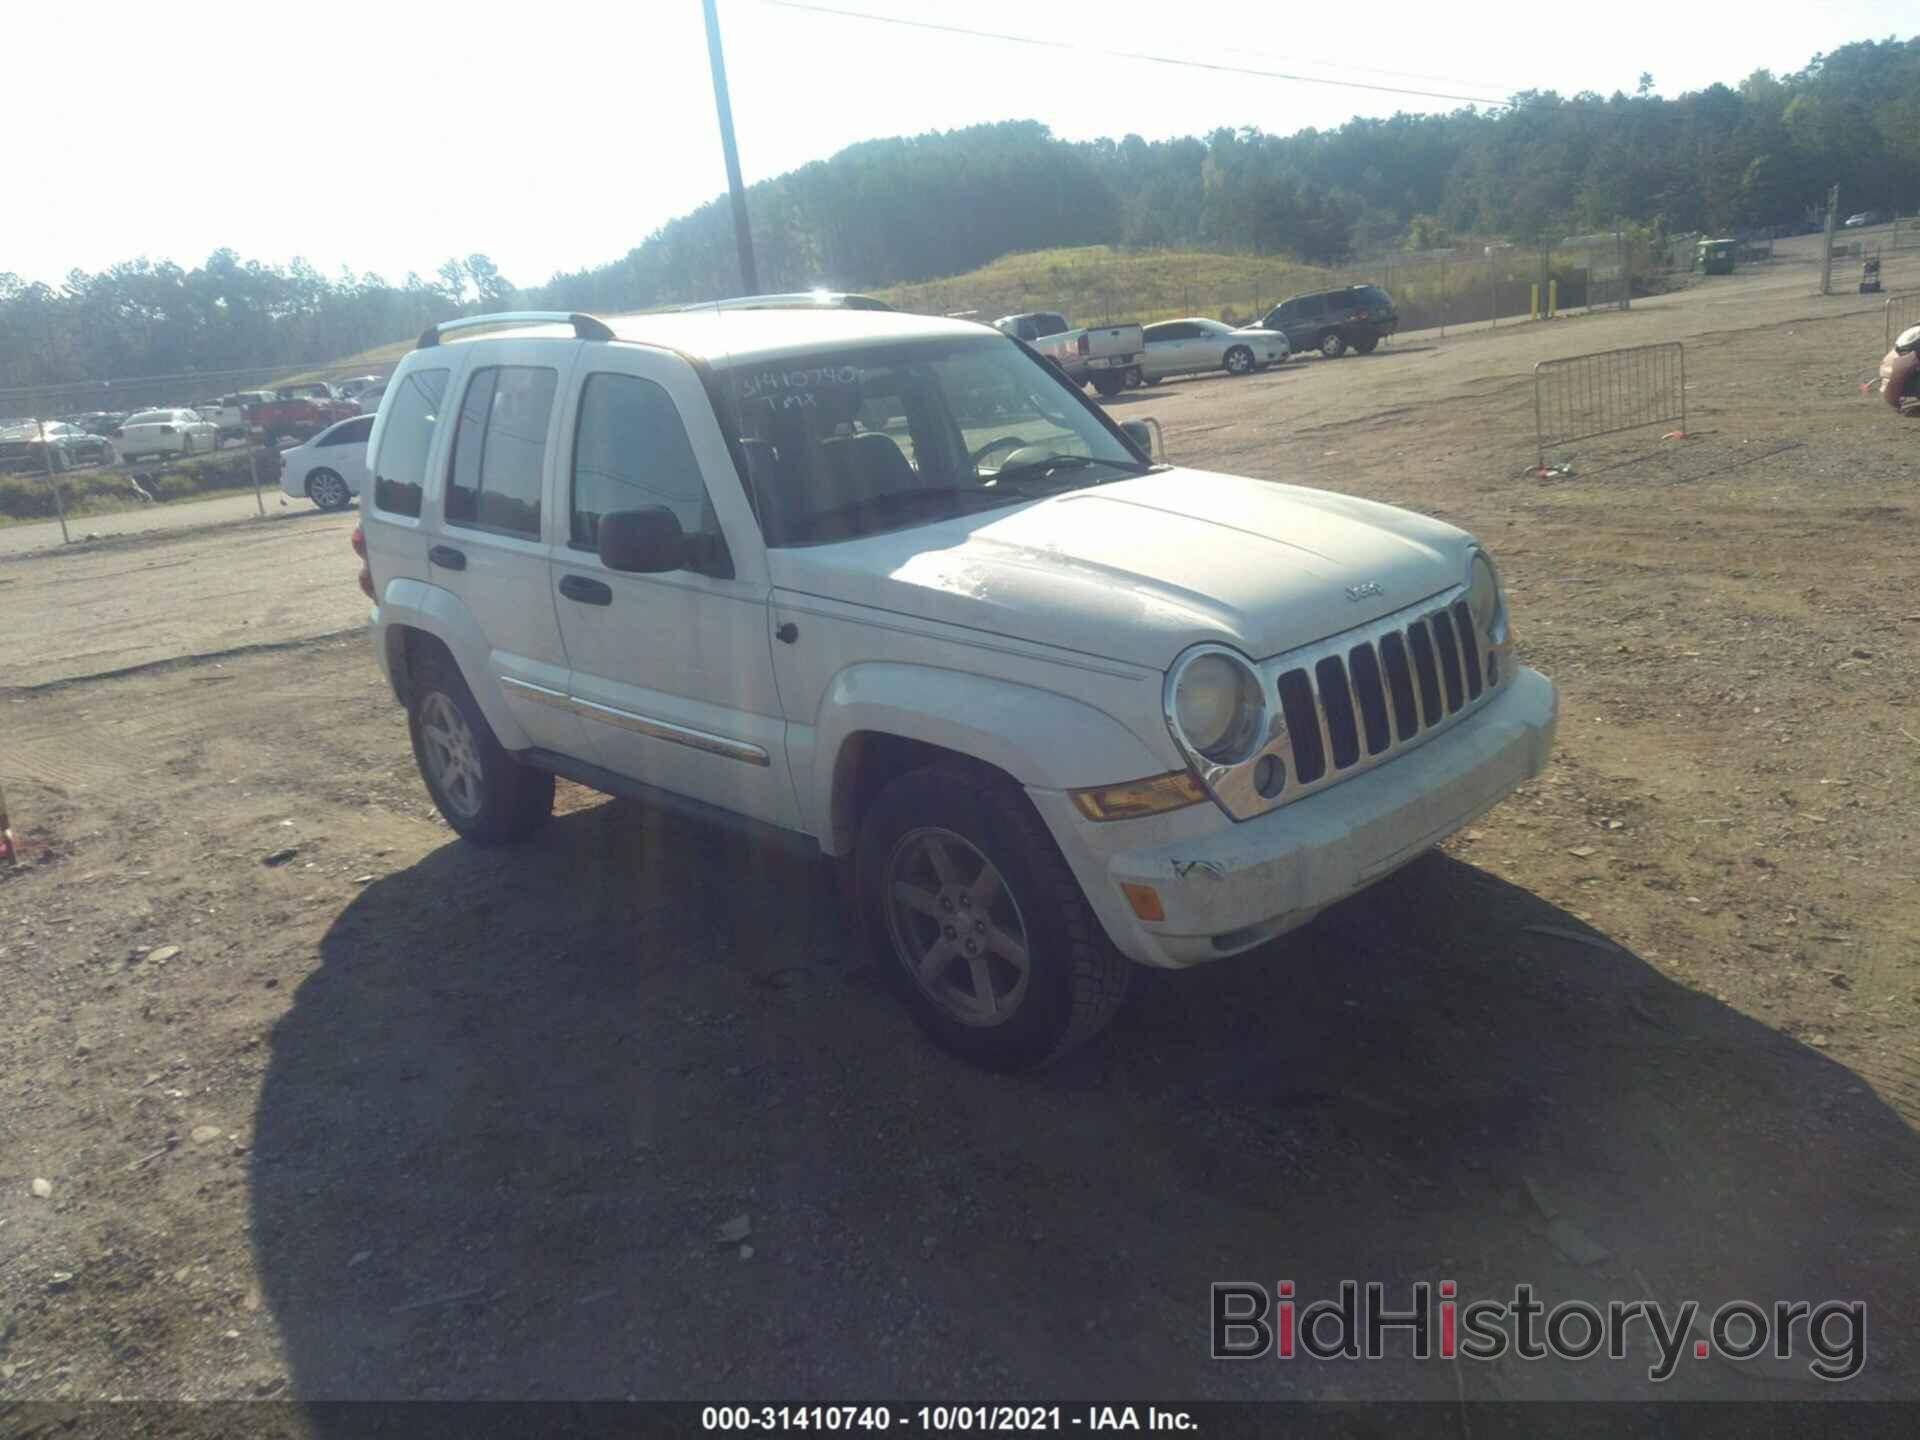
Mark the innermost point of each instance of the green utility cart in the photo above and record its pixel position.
(1716, 257)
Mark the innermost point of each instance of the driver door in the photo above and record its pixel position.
(672, 674)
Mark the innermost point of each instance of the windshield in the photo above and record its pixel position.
(845, 443)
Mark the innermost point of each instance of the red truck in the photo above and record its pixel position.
(300, 411)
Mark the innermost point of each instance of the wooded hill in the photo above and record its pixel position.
(1760, 153)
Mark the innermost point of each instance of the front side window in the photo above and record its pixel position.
(630, 449)
(500, 448)
(844, 443)
(400, 471)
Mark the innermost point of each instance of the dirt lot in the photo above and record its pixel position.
(402, 1118)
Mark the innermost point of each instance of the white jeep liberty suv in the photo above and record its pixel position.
(890, 584)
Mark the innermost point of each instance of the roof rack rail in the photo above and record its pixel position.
(585, 327)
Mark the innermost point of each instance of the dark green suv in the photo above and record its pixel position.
(1333, 322)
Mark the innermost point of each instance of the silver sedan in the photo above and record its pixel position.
(1187, 347)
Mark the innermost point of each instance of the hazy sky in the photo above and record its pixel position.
(558, 134)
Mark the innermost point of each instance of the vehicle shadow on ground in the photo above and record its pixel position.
(509, 1118)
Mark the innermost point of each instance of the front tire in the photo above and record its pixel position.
(1239, 361)
(1366, 345)
(970, 909)
(1332, 345)
(486, 795)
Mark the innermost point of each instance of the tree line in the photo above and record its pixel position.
(1758, 154)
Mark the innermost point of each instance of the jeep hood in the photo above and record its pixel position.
(1137, 570)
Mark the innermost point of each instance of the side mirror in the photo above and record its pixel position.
(1145, 434)
(648, 541)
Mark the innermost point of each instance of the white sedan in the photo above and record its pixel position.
(165, 432)
(1186, 347)
(330, 468)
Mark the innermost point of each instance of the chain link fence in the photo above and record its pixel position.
(61, 455)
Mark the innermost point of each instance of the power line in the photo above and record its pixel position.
(1215, 66)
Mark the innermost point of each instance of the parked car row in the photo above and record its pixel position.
(56, 444)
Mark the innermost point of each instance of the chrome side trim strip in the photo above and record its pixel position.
(639, 724)
(674, 734)
(539, 694)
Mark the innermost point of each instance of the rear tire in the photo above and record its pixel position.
(1109, 385)
(486, 795)
(328, 490)
(1002, 887)
(1332, 345)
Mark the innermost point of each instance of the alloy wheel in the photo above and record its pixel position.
(956, 927)
(451, 753)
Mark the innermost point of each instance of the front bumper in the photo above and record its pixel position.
(1226, 887)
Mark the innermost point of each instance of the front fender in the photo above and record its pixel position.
(1038, 737)
(414, 604)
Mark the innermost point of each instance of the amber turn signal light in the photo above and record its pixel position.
(1135, 798)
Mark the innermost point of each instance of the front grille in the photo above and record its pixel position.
(1356, 700)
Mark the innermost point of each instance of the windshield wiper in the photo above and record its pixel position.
(891, 498)
(1054, 464)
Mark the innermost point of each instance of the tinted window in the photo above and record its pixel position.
(354, 432)
(493, 482)
(1374, 295)
(401, 470)
(630, 449)
(1045, 325)
(1307, 306)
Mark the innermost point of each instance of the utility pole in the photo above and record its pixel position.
(1826, 252)
(742, 232)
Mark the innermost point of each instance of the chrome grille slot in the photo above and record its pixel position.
(1369, 693)
(1355, 700)
(1303, 723)
(1421, 644)
(1469, 647)
(1447, 653)
(1406, 710)
(1336, 703)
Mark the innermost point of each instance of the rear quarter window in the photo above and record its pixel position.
(412, 420)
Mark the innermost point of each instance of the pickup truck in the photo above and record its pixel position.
(1107, 356)
(301, 411)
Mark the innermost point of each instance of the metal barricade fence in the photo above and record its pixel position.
(1902, 310)
(1581, 397)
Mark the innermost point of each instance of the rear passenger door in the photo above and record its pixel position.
(491, 545)
(672, 673)
(346, 451)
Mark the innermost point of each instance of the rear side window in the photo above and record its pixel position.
(354, 432)
(400, 472)
(630, 449)
(500, 449)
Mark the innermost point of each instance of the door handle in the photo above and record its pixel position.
(587, 592)
(447, 558)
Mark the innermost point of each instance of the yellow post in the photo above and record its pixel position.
(1533, 301)
(1553, 298)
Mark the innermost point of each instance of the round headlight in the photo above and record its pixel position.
(1216, 704)
(1483, 599)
